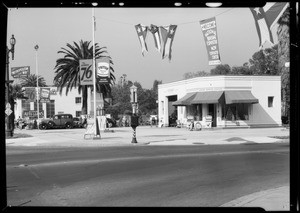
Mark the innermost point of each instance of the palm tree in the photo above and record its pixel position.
(30, 81)
(16, 92)
(68, 73)
(283, 33)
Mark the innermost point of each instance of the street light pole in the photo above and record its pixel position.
(36, 47)
(8, 111)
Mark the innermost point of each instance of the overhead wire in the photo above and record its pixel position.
(191, 22)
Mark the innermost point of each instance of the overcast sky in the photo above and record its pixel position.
(53, 28)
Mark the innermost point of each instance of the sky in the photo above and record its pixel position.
(52, 28)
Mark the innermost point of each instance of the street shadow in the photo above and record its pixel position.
(240, 139)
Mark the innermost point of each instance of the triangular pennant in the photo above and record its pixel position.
(142, 34)
(262, 26)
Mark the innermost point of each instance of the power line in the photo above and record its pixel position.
(121, 22)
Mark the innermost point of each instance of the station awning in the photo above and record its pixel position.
(207, 97)
(185, 100)
(240, 96)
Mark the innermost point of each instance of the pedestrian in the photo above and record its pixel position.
(34, 124)
(19, 122)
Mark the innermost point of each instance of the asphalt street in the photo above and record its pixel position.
(143, 175)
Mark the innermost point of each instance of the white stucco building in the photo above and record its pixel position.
(229, 101)
(59, 104)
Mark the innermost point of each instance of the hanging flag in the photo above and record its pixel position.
(209, 30)
(142, 34)
(156, 35)
(262, 26)
(167, 37)
(274, 11)
(103, 70)
(163, 32)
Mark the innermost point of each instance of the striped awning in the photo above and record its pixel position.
(185, 100)
(239, 96)
(208, 97)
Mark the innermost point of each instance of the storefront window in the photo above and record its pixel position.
(195, 111)
(235, 112)
(50, 109)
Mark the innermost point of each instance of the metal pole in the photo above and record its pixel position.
(8, 132)
(37, 83)
(94, 70)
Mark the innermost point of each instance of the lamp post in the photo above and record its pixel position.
(8, 111)
(134, 117)
(36, 47)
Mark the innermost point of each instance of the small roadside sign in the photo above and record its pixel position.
(8, 106)
(8, 111)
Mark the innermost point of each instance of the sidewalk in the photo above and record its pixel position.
(149, 136)
(270, 200)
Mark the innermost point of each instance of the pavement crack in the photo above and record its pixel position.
(24, 203)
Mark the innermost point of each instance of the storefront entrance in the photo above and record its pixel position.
(212, 112)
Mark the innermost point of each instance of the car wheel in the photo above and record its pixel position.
(110, 125)
(50, 124)
(198, 126)
(43, 126)
(68, 126)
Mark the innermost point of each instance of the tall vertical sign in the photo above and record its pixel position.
(86, 72)
(44, 95)
(103, 70)
(209, 29)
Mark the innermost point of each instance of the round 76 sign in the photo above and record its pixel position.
(86, 72)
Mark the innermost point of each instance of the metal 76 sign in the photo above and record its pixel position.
(86, 72)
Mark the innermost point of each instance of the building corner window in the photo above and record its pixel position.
(270, 101)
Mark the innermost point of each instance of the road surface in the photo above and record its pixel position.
(199, 175)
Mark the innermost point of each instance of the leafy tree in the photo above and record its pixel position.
(68, 73)
(221, 70)
(265, 62)
(15, 92)
(31, 80)
(121, 99)
(189, 75)
(241, 70)
(283, 33)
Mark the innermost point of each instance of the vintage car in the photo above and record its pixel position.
(57, 121)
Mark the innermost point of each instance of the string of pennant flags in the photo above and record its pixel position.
(265, 18)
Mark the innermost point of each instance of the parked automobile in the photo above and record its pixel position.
(78, 122)
(57, 121)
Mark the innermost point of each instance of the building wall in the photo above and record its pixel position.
(260, 86)
(63, 103)
(66, 103)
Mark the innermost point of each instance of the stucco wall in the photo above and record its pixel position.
(260, 86)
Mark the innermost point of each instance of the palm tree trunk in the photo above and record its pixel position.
(12, 116)
(84, 100)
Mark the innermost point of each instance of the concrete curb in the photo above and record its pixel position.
(276, 199)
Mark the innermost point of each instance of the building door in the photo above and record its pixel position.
(212, 112)
(172, 110)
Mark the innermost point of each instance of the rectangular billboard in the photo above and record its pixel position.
(209, 29)
(44, 95)
(103, 70)
(86, 71)
(19, 72)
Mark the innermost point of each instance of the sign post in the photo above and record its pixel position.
(134, 117)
